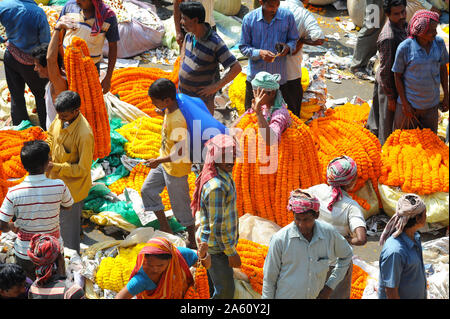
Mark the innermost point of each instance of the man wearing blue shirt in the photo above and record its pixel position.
(402, 272)
(263, 30)
(26, 28)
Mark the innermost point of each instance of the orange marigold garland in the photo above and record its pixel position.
(82, 77)
(200, 288)
(296, 165)
(252, 256)
(359, 282)
(417, 161)
(353, 113)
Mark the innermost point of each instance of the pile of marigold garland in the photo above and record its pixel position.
(265, 175)
(417, 161)
(334, 138)
(353, 113)
(82, 77)
(11, 167)
(131, 85)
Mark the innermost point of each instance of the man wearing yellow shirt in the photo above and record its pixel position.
(72, 146)
(172, 167)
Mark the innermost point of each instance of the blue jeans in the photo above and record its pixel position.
(220, 277)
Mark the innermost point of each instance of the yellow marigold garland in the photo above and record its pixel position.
(236, 93)
(417, 161)
(354, 113)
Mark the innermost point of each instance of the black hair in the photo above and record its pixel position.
(161, 256)
(193, 10)
(388, 4)
(162, 89)
(312, 212)
(413, 221)
(11, 275)
(40, 54)
(34, 156)
(67, 101)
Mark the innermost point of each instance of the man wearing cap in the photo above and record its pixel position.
(402, 272)
(299, 254)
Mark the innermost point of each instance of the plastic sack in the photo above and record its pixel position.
(137, 37)
(43, 2)
(112, 219)
(437, 204)
(370, 196)
(243, 290)
(228, 28)
(120, 109)
(257, 229)
(437, 283)
(227, 7)
(201, 124)
(120, 172)
(144, 234)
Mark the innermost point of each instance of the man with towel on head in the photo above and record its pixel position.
(402, 272)
(299, 254)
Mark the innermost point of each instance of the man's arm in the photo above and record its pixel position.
(444, 83)
(112, 58)
(387, 56)
(271, 269)
(212, 89)
(59, 83)
(392, 293)
(177, 21)
(344, 255)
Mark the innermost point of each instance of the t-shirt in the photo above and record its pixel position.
(141, 281)
(56, 288)
(174, 130)
(109, 31)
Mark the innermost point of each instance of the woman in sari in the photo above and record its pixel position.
(162, 271)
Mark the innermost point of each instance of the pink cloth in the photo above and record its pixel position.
(102, 12)
(19, 55)
(420, 22)
(279, 121)
(215, 147)
(300, 202)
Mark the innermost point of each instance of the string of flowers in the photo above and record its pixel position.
(252, 256)
(417, 161)
(354, 113)
(359, 282)
(200, 288)
(82, 77)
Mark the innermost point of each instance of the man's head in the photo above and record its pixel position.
(12, 280)
(395, 10)
(35, 156)
(342, 172)
(269, 83)
(86, 4)
(305, 209)
(192, 15)
(422, 25)
(270, 7)
(163, 93)
(67, 105)
(222, 150)
(39, 55)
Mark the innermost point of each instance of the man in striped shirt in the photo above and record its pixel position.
(215, 198)
(263, 31)
(34, 204)
(202, 51)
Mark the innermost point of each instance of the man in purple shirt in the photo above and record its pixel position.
(269, 33)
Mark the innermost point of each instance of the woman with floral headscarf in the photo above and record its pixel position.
(94, 22)
(419, 70)
(161, 272)
(340, 210)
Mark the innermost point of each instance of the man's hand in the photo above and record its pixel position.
(285, 51)
(234, 261)
(267, 56)
(106, 84)
(258, 100)
(13, 227)
(325, 293)
(152, 163)
(180, 39)
(407, 110)
(392, 105)
(298, 47)
(66, 23)
(209, 90)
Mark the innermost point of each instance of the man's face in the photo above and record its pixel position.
(14, 292)
(431, 33)
(398, 15)
(270, 7)
(269, 96)
(227, 163)
(68, 116)
(187, 23)
(305, 222)
(85, 4)
(41, 71)
(161, 104)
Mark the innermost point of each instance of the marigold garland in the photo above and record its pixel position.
(334, 138)
(82, 77)
(354, 113)
(417, 161)
(359, 282)
(252, 257)
(131, 85)
(236, 93)
(200, 288)
(297, 165)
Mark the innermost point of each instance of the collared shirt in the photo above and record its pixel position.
(388, 41)
(258, 35)
(201, 61)
(72, 150)
(24, 17)
(218, 214)
(297, 269)
(307, 27)
(36, 205)
(95, 43)
(141, 281)
(401, 266)
(421, 71)
(346, 214)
